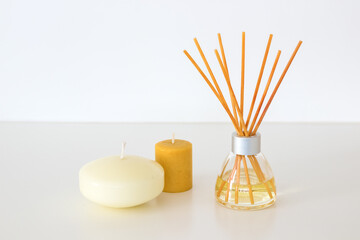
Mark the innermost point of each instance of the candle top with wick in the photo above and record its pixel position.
(175, 144)
(123, 168)
(178, 143)
(113, 169)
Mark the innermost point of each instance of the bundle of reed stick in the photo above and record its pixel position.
(236, 113)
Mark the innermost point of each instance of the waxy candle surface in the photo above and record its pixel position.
(121, 182)
(176, 159)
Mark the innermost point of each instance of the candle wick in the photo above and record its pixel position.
(122, 150)
(173, 138)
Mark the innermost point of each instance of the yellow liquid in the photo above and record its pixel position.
(263, 196)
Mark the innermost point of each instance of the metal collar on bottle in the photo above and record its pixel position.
(246, 145)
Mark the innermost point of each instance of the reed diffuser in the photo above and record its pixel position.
(246, 180)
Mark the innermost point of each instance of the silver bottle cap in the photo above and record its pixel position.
(246, 145)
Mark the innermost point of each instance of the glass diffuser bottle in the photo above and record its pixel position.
(246, 180)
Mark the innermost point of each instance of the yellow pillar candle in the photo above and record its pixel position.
(175, 156)
(121, 181)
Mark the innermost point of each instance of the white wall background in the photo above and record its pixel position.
(111, 60)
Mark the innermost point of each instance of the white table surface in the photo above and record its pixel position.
(316, 168)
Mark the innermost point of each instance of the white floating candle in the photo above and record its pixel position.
(121, 181)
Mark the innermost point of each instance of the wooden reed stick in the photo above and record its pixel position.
(222, 52)
(212, 75)
(208, 68)
(229, 181)
(260, 175)
(272, 185)
(248, 180)
(232, 94)
(271, 182)
(224, 167)
(235, 113)
(214, 91)
(227, 72)
(259, 79)
(220, 188)
(265, 92)
(238, 159)
(242, 73)
(277, 86)
(223, 182)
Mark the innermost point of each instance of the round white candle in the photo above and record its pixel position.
(121, 181)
